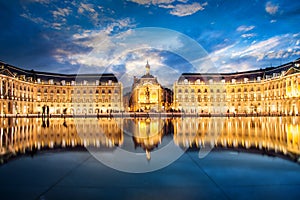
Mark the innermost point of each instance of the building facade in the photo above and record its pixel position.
(274, 90)
(147, 93)
(31, 92)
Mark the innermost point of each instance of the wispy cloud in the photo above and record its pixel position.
(61, 12)
(248, 35)
(40, 1)
(244, 28)
(277, 47)
(187, 9)
(152, 2)
(271, 8)
(178, 8)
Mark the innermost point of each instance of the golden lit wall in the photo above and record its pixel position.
(26, 97)
(278, 95)
(140, 100)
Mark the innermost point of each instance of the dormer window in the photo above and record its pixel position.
(258, 78)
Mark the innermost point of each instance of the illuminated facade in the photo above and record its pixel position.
(30, 92)
(147, 93)
(274, 90)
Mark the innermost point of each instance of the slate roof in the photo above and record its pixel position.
(56, 77)
(239, 76)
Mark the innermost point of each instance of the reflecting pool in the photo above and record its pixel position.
(149, 137)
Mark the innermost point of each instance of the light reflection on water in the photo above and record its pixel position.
(277, 135)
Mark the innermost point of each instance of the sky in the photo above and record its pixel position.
(175, 36)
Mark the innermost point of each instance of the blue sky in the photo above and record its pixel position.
(66, 36)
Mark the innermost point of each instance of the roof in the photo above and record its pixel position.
(250, 75)
(57, 77)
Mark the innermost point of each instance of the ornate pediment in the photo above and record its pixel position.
(6, 72)
(291, 70)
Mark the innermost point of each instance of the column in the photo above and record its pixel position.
(1, 89)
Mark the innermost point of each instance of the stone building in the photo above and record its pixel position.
(147, 93)
(31, 92)
(274, 90)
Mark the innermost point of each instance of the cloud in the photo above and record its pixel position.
(86, 7)
(242, 56)
(37, 20)
(187, 9)
(244, 28)
(40, 1)
(152, 2)
(271, 8)
(178, 8)
(248, 35)
(61, 12)
(123, 53)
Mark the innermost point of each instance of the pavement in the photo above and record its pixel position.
(220, 175)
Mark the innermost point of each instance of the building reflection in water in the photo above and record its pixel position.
(278, 134)
(148, 133)
(275, 134)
